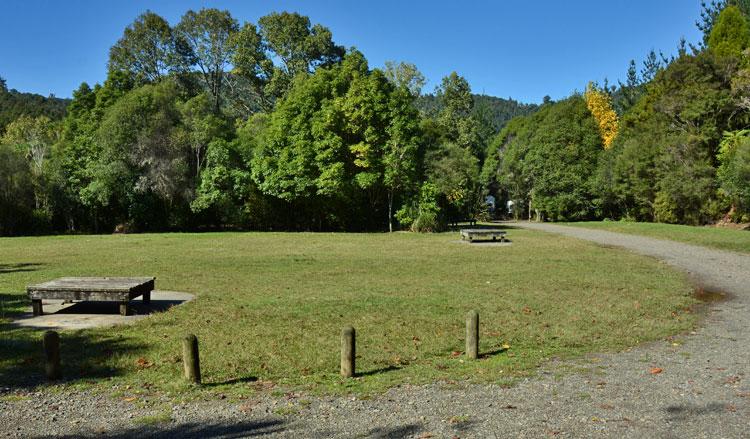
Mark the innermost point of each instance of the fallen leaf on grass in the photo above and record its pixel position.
(656, 370)
(455, 354)
(129, 399)
(143, 363)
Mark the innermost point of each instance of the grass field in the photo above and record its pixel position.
(721, 238)
(270, 308)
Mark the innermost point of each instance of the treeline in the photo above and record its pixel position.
(215, 124)
(492, 112)
(671, 144)
(14, 104)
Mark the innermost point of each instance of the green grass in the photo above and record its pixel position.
(270, 308)
(720, 238)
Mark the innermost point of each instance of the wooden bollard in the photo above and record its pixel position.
(347, 352)
(190, 359)
(51, 345)
(472, 335)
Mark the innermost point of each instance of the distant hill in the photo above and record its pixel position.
(14, 103)
(501, 110)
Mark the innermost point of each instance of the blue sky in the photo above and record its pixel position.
(517, 49)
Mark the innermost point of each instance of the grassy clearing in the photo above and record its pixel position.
(720, 238)
(270, 308)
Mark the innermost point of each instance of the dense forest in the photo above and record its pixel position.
(14, 104)
(213, 124)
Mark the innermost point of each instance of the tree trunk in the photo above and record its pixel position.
(390, 211)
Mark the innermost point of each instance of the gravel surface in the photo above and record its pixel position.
(697, 385)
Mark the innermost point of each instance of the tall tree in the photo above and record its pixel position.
(300, 47)
(33, 137)
(730, 34)
(208, 34)
(252, 71)
(599, 104)
(460, 127)
(406, 75)
(146, 50)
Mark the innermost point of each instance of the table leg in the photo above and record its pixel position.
(147, 298)
(36, 307)
(124, 307)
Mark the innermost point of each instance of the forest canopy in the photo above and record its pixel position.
(210, 123)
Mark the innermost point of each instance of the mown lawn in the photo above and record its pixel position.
(270, 307)
(720, 238)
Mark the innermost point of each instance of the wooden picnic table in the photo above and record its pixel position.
(472, 234)
(118, 289)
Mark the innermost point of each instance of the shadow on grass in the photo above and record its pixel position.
(377, 371)
(248, 379)
(12, 304)
(82, 356)
(137, 307)
(20, 267)
(492, 353)
(195, 430)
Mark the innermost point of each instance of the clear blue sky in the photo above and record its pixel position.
(518, 49)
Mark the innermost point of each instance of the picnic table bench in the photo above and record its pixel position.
(118, 289)
(472, 234)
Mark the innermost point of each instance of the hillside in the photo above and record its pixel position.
(14, 104)
(501, 110)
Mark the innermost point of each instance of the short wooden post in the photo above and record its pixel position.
(190, 359)
(124, 307)
(51, 345)
(36, 307)
(347, 352)
(472, 335)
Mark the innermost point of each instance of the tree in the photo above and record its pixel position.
(454, 171)
(406, 75)
(630, 91)
(201, 127)
(734, 170)
(402, 148)
(16, 194)
(33, 137)
(710, 12)
(146, 51)
(730, 34)
(456, 118)
(252, 71)
(208, 34)
(300, 46)
(328, 142)
(599, 104)
(651, 66)
(141, 174)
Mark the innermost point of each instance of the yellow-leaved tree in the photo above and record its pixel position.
(600, 106)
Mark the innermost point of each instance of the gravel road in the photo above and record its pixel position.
(703, 389)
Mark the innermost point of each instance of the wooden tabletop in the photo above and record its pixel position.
(108, 284)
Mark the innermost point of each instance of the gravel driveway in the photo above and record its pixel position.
(702, 389)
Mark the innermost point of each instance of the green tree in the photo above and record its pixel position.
(730, 34)
(734, 170)
(406, 75)
(34, 137)
(208, 34)
(146, 51)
